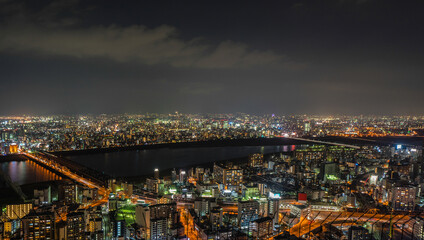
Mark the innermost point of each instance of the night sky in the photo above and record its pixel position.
(283, 57)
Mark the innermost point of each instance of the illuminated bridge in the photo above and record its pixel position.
(60, 166)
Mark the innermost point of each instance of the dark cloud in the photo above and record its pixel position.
(339, 57)
(47, 31)
(134, 43)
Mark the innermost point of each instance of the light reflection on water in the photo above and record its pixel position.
(25, 172)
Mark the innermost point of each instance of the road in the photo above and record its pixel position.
(317, 219)
(188, 224)
(323, 142)
(103, 192)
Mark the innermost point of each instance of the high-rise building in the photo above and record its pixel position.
(329, 171)
(159, 229)
(358, 233)
(152, 185)
(263, 189)
(13, 148)
(119, 230)
(167, 211)
(38, 225)
(247, 212)
(262, 228)
(269, 165)
(199, 172)
(156, 173)
(174, 175)
(215, 217)
(75, 227)
(273, 210)
(418, 228)
(402, 197)
(142, 218)
(311, 155)
(256, 160)
(18, 211)
(227, 176)
(98, 235)
(307, 127)
(183, 176)
(69, 193)
(127, 188)
(6, 135)
(10, 228)
(202, 206)
(95, 229)
(42, 196)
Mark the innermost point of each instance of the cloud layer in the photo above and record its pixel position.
(159, 45)
(55, 29)
(70, 56)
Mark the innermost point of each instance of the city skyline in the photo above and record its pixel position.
(84, 132)
(236, 120)
(292, 57)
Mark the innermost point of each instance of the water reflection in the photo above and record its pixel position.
(25, 172)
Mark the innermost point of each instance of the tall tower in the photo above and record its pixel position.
(174, 175)
(156, 175)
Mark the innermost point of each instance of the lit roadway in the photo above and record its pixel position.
(144, 198)
(322, 142)
(344, 219)
(65, 171)
(189, 228)
(305, 225)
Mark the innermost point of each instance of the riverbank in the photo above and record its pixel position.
(416, 140)
(199, 144)
(12, 158)
(168, 171)
(142, 162)
(150, 156)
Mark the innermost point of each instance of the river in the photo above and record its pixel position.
(143, 162)
(26, 172)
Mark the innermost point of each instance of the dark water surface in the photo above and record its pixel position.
(143, 162)
(26, 172)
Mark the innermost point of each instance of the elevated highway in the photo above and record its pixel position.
(49, 162)
(323, 142)
(391, 224)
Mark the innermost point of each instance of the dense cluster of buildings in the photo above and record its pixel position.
(266, 196)
(61, 133)
(331, 191)
(59, 212)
